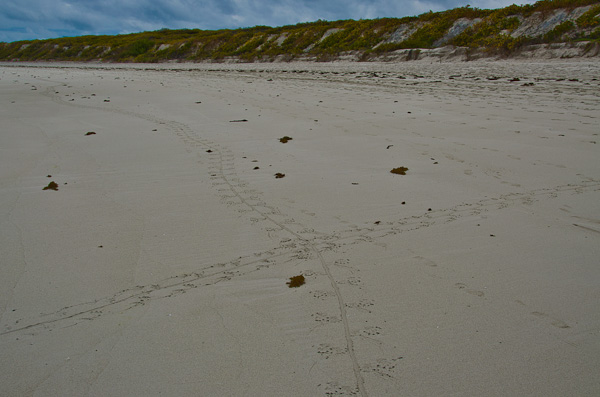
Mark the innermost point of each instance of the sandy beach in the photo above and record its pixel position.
(161, 264)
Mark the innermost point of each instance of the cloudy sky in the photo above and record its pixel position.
(41, 19)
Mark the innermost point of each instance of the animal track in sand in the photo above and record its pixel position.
(328, 350)
(335, 389)
(474, 292)
(225, 169)
(384, 367)
(324, 318)
(554, 322)
(371, 331)
(222, 165)
(363, 304)
(321, 294)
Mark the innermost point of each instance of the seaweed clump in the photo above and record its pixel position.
(399, 171)
(296, 281)
(51, 186)
(285, 139)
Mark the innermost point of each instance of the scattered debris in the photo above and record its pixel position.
(279, 175)
(285, 139)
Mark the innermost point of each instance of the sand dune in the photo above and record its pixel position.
(162, 262)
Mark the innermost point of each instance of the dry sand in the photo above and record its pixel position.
(160, 265)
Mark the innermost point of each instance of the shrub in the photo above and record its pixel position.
(590, 18)
(138, 48)
(558, 32)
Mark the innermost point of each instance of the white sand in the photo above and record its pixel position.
(159, 268)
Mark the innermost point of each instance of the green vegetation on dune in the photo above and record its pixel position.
(591, 18)
(493, 32)
(490, 30)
